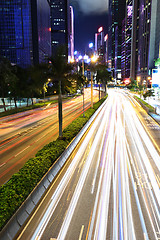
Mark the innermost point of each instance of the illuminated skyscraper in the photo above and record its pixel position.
(59, 24)
(154, 48)
(116, 15)
(126, 40)
(99, 44)
(142, 39)
(71, 35)
(25, 35)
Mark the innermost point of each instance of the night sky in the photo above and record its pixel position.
(87, 20)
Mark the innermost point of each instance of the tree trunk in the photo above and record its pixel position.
(4, 105)
(91, 89)
(15, 102)
(32, 101)
(83, 102)
(27, 101)
(60, 109)
(99, 91)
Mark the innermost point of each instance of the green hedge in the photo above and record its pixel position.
(151, 109)
(21, 184)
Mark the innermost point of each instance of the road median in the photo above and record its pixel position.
(26, 187)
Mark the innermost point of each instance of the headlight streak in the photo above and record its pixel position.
(66, 178)
(142, 155)
(126, 226)
(68, 217)
(119, 165)
(146, 163)
(106, 166)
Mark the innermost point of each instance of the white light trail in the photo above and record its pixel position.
(125, 168)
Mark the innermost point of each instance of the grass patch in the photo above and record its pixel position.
(151, 109)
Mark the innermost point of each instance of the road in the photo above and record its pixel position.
(110, 186)
(23, 134)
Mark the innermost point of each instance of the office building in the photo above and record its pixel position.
(59, 25)
(99, 44)
(71, 36)
(123, 50)
(141, 36)
(126, 41)
(154, 47)
(25, 31)
(106, 49)
(116, 15)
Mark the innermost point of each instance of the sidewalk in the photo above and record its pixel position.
(156, 117)
(154, 102)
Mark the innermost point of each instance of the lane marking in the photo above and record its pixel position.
(81, 232)
(2, 165)
(21, 151)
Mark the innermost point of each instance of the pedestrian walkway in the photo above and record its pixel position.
(154, 102)
(156, 117)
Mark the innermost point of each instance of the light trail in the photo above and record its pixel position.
(120, 175)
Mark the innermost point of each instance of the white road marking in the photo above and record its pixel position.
(21, 151)
(2, 165)
(81, 232)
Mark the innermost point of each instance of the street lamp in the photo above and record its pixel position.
(83, 85)
(45, 85)
(93, 60)
(138, 80)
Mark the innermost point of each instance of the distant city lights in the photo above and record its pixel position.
(80, 57)
(106, 38)
(100, 29)
(91, 45)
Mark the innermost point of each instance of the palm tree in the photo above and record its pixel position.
(60, 71)
(8, 79)
(103, 75)
(38, 75)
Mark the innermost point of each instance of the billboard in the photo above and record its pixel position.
(156, 77)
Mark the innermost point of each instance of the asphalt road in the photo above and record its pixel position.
(23, 134)
(110, 186)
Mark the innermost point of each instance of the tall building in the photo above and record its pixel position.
(154, 47)
(99, 44)
(116, 15)
(25, 31)
(141, 40)
(106, 49)
(71, 35)
(126, 40)
(128, 32)
(59, 24)
(123, 50)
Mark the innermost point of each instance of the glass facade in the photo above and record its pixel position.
(18, 31)
(126, 40)
(154, 48)
(44, 29)
(116, 16)
(144, 37)
(59, 24)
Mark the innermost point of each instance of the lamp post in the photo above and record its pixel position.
(83, 85)
(93, 60)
